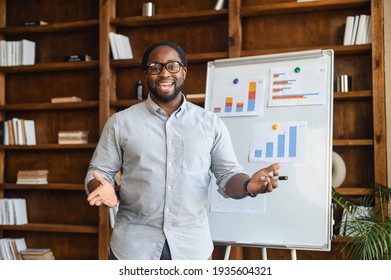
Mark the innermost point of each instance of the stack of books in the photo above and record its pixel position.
(32, 177)
(37, 254)
(357, 30)
(10, 248)
(13, 211)
(17, 131)
(73, 137)
(66, 99)
(14, 53)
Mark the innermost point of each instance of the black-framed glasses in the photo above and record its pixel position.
(155, 68)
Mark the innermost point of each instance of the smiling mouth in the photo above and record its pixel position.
(165, 85)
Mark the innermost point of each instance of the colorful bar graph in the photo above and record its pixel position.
(228, 104)
(239, 107)
(252, 89)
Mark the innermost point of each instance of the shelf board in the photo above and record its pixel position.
(338, 50)
(59, 186)
(354, 191)
(52, 27)
(160, 19)
(48, 146)
(49, 67)
(52, 228)
(192, 58)
(363, 94)
(294, 7)
(352, 142)
(50, 106)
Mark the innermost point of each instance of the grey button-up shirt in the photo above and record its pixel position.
(166, 164)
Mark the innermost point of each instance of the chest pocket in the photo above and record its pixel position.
(193, 154)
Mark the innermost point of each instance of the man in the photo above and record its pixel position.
(165, 149)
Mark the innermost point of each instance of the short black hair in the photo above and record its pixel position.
(178, 49)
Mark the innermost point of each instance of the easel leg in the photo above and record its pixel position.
(293, 254)
(227, 252)
(264, 253)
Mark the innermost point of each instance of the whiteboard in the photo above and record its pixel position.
(278, 108)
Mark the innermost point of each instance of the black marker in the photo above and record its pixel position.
(275, 178)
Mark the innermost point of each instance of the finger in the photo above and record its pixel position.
(273, 168)
(99, 178)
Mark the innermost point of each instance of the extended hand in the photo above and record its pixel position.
(262, 181)
(103, 194)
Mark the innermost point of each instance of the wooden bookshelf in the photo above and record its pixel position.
(243, 28)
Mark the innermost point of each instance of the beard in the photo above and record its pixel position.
(166, 98)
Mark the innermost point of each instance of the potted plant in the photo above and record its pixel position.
(369, 230)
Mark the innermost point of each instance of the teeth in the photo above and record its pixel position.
(165, 84)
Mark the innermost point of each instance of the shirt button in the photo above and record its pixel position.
(167, 210)
(169, 187)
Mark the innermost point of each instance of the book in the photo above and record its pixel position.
(78, 57)
(120, 46)
(30, 132)
(113, 46)
(2, 132)
(348, 31)
(354, 32)
(37, 254)
(20, 211)
(66, 99)
(27, 52)
(195, 95)
(361, 30)
(33, 22)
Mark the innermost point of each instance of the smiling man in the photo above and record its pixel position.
(166, 149)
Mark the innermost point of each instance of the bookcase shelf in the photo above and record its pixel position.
(161, 19)
(52, 66)
(244, 28)
(49, 106)
(68, 187)
(52, 27)
(52, 228)
(49, 146)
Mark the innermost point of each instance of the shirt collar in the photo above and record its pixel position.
(154, 108)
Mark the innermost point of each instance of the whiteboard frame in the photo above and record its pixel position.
(223, 222)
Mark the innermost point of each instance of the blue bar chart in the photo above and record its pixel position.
(278, 142)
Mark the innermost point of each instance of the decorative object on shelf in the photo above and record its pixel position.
(139, 90)
(370, 234)
(33, 22)
(78, 57)
(338, 168)
(344, 83)
(219, 5)
(148, 9)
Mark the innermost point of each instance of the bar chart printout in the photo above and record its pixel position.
(291, 85)
(282, 142)
(238, 98)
